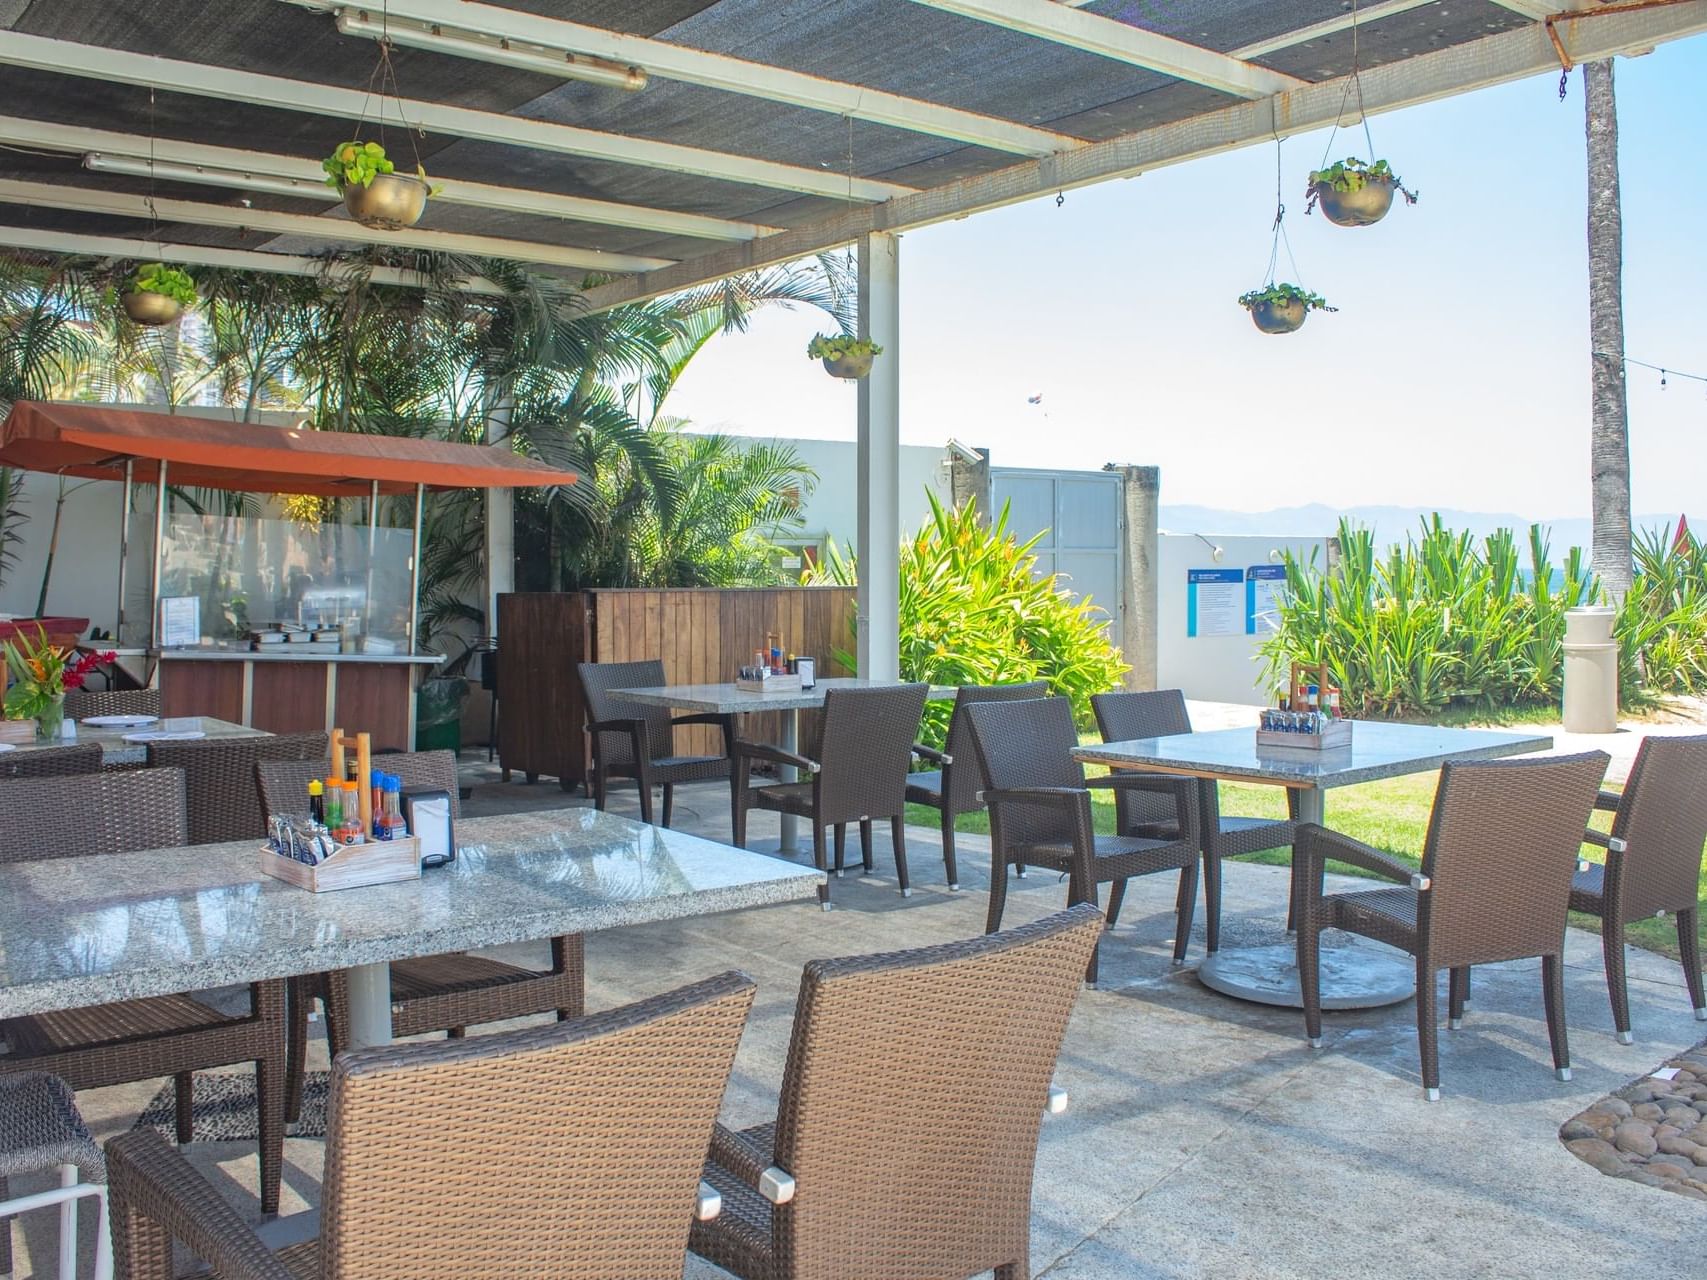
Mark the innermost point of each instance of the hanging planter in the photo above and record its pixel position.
(157, 294)
(1282, 308)
(374, 193)
(1354, 194)
(844, 355)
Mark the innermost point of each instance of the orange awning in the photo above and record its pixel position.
(89, 440)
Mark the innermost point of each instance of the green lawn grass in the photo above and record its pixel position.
(1391, 815)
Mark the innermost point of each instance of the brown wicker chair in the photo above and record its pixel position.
(82, 703)
(159, 1035)
(572, 1150)
(632, 740)
(915, 1087)
(1160, 713)
(52, 762)
(952, 787)
(219, 779)
(1040, 814)
(1653, 862)
(857, 772)
(1494, 886)
(431, 993)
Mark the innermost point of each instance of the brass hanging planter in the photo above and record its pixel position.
(1279, 317)
(854, 365)
(390, 202)
(1361, 208)
(150, 309)
(843, 355)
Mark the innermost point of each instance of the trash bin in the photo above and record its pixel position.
(438, 713)
(1591, 671)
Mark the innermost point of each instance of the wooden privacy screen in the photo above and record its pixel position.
(702, 636)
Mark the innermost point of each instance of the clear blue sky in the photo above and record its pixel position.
(1455, 373)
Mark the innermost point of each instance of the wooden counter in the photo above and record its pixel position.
(297, 692)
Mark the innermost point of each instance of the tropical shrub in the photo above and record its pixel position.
(973, 611)
(1662, 623)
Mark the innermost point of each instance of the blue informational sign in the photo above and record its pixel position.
(1214, 602)
(1265, 586)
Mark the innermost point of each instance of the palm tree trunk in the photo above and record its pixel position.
(1609, 440)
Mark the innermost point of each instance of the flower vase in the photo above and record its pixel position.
(50, 720)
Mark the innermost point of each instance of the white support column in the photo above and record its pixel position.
(880, 460)
(500, 515)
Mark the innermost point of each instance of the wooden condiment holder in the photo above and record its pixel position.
(352, 867)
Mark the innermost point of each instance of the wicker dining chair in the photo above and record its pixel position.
(446, 993)
(952, 787)
(134, 1040)
(1040, 814)
(572, 1151)
(1160, 713)
(857, 772)
(1653, 862)
(1495, 884)
(219, 779)
(636, 741)
(41, 1131)
(915, 1086)
(52, 762)
(82, 703)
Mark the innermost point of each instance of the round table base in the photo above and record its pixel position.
(1356, 974)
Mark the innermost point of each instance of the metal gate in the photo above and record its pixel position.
(1078, 514)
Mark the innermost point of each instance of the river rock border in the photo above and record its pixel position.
(1653, 1131)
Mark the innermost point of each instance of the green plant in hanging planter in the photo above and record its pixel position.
(1353, 193)
(374, 192)
(155, 294)
(1282, 308)
(843, 354)
(355, 164)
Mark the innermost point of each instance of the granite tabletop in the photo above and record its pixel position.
(115, 750)
(1377, 750)
(726, 699)
(84, 931)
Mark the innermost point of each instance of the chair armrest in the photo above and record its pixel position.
(151, 1180)
(1181, 788)
(764, 751)
(1064, 796)
(635, 729)
(1605, 839)
(744, 1158)
(1608, 800)
(703, 717)
(709, 1204)
(1318, 844)
(932, 754)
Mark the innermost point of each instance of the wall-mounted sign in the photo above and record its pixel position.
(1214, 602)
(1265, 589)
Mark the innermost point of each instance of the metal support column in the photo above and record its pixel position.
(124, 547)
(158, 565)
(415, 574)
(372, 544)
(879, 538)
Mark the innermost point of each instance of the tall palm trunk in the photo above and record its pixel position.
(1609, 440)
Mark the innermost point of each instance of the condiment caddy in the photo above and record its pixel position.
(1308, 717)
(770, 672)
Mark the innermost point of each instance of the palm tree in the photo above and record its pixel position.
(1609, 439)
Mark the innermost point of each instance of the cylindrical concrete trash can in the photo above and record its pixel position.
(1591, 671)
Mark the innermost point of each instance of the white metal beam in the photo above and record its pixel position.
(1361, 16)
(878, 463)
(97, 62)
(426, 24)
(344, 230)
(1107, 38)
(1539, 9)
(201, 255)
(1494, 59)
(228, 165)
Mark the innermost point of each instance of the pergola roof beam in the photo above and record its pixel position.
(125, 205)
(1092, 33)
(1494, 59)
(199, 255)
(99, 62)
(1362, 16)
(232, 164)
(417, 22)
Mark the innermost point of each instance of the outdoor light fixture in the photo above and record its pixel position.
(209, 175)
(435, 38)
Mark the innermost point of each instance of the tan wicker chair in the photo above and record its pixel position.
(1494, 886)
(52, 762)
(82, 703)
(219, 779)
(1160, 713)
(915, 1086)
(1040, 814)
(857, 772)
(159, 1035)
(1653, 862)
(953, 787)
(572, 1151)
(432, 993)
(636, 741)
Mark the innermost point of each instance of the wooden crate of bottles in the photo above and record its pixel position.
(1335, 732)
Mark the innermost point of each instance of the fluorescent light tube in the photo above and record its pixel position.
(435, 38)
(208, 175)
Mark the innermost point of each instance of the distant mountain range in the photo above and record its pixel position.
(1389, 523)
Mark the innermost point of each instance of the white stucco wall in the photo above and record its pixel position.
(1214, 668)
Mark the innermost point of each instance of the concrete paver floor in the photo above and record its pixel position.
(1204, 1137)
